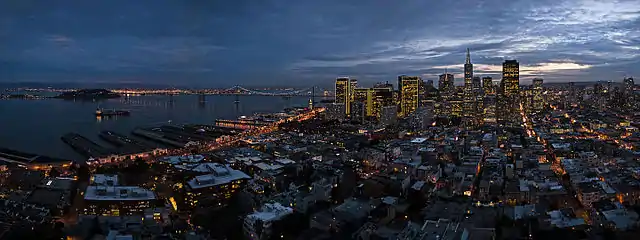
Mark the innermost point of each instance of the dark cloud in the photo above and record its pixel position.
(315, 41)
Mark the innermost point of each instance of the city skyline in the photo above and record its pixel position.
(307, 42)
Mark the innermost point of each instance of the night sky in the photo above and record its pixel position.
(300, 42)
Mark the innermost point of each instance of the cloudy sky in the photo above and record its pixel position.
(302, 42)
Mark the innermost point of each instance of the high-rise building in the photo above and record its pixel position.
(445, 85)
(477, 86)
(538, 99)
(382, 97)
(409, 87)
(629, 85)
(511, 77)
(389, 114)
(353, 84)
(469, 96)
(343, 93)
(487, 86)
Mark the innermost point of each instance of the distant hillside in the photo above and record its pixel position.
(88, 94)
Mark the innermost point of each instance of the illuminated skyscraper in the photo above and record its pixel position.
(353, 84)
(409, 93)
(343, 93)
(445, 85)
(487, 86)
(538, 99)
(469, 96)
(511, 77)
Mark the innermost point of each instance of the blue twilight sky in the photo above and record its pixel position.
(303, 42)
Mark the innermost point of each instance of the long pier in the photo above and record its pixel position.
(181, 131)
(158, 137)
(122, 141)
(85, 146)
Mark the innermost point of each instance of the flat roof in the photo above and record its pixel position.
(267, 167)
(203, 167)
(219, 177)
(118, 193)
(57, 183)
(104, 179)
(270, 212)
(183, 159)
(418, 140)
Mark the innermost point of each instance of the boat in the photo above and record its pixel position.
(112, 112)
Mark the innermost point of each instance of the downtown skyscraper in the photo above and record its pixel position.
(538, 100)
(445, 85)
(409, 90)
(469, 96)
(508, 94)
(511, 77)
(343, 94)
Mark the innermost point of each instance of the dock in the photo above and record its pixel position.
(120, 140)
(124, 142)
(33, 161)
(159, 136)
(186, 132)
(85, 146)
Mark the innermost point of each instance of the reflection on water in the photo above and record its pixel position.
(37, 125)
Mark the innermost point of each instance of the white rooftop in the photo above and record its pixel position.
(285, 161)
(118, 193)
(104, 179)
(418, 140)
(183, 159)
(270, 212)
(220, 175)
(203, 167)
(267, 167)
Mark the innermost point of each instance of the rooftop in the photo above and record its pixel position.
(183, 159)
(104, 179)
(118, 193)
(270, 212)
(221, 175)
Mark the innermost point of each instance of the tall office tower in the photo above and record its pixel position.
(373, 99)
(409, 93)
(361, 95)
(389, 115)
(469, 97)
(511, 77)
(382, 97)
(445, 85)
(511, 91)
(538, 99)
(502, 109)
(489, 109)
(487, 86)
(353, 84)
(629, 85)
(358, 112)
(477, 86)
(343, 93)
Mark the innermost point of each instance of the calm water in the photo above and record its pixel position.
(36, 126)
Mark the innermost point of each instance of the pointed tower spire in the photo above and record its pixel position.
(468, 60)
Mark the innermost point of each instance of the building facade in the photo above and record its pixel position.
(343, 93)
(409, 87)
